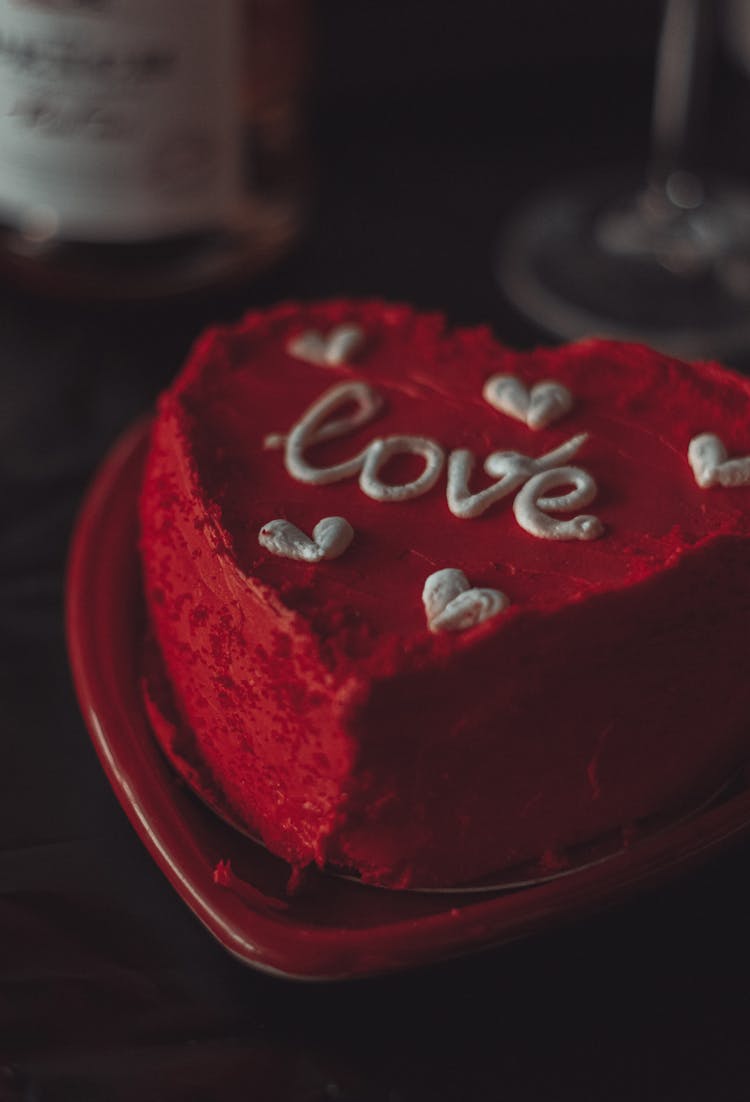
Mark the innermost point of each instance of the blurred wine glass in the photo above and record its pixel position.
(662, 257)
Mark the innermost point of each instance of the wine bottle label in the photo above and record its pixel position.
(120, 120)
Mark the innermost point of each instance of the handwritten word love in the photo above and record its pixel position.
(529, 478)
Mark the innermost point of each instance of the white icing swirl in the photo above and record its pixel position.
(462, 503)
(531, 507)
(314, 426)
(378, 454)
(511, 468)
(312, 429)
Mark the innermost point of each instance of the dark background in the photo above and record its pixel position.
(429, 121)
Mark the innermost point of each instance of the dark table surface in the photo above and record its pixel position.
(109, 988)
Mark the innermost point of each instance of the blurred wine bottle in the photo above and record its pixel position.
(150, 147)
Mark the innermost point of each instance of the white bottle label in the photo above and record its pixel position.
(120, 120)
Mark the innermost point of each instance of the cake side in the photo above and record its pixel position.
(628, 706)
(250, 719)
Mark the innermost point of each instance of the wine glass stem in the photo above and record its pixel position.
(681, 83)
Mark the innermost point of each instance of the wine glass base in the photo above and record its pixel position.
(586, 261)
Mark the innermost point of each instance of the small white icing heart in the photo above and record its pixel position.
(544, 403)
(326, 351)
(330, 538)
(712, 466)
(451, 604)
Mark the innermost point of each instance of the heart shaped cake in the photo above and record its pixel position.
(426, 608)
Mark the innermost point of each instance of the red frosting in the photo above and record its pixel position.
(313, 701)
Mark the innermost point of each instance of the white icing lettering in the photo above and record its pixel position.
(312, 429)
(462, 503)
(451, 604)
(314, 426)
(330, 538)
(380, 451)
(546, 402)
(329, 351)
(712, 466)
(531, 507)
(496, 463)
(511, 468)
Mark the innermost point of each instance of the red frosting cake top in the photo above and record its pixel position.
(521, 653)
(638, 409)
